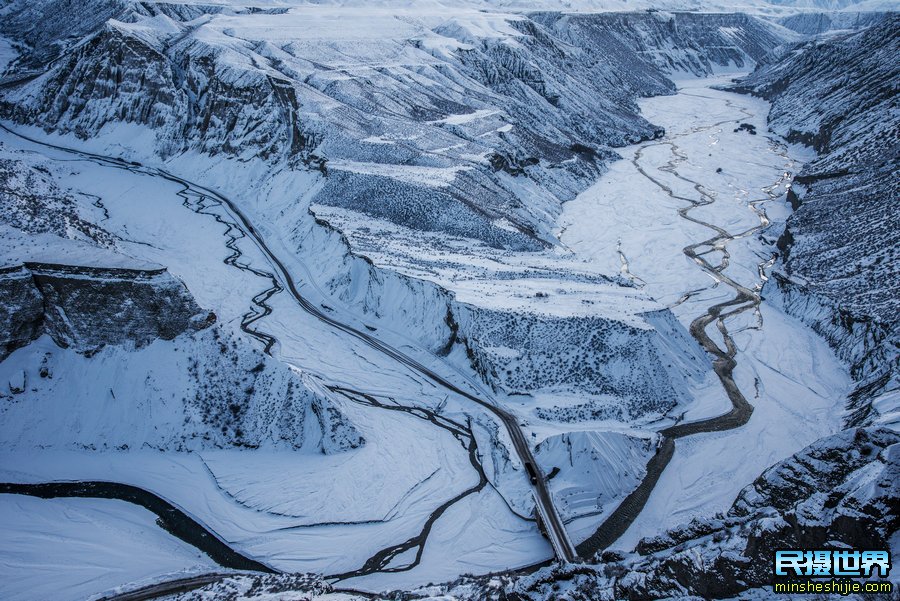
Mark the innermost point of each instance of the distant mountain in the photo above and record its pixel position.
(820, 23)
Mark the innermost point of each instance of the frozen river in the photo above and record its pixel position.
(692, 218)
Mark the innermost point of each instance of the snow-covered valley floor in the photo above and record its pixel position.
(627, 221)
(310, 512)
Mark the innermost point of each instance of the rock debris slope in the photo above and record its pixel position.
(812, 24)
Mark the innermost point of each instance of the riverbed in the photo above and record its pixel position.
(692, 219)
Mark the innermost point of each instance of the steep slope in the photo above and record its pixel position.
(694, 43)
(840, 265)
(200, 391)
(87, 307)
(591, 472)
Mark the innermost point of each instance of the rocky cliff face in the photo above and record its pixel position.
(87, 308)
(839, 261)
(76, 289)
(99, 350)
(21, 309)
(840, 491)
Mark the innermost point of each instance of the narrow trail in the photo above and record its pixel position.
(745, 299)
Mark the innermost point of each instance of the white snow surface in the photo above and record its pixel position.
(788, 373)
(72, 549)
(594, 471)
(443, 6)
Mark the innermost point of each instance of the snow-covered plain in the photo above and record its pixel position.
(97, 544)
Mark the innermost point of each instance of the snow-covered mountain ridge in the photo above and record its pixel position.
(375, 199)
(812, 24)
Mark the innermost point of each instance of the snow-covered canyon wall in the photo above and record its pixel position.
(839, 264)
(635, 360)
(60, 276)
(202, 390)
(470, 130)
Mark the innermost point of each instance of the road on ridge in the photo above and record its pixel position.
(554, 527)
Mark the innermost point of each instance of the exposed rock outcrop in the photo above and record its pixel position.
(87, 308)
(818, 23)
(455, 126)
(21, 309)
(839, 492)
(449, 107)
